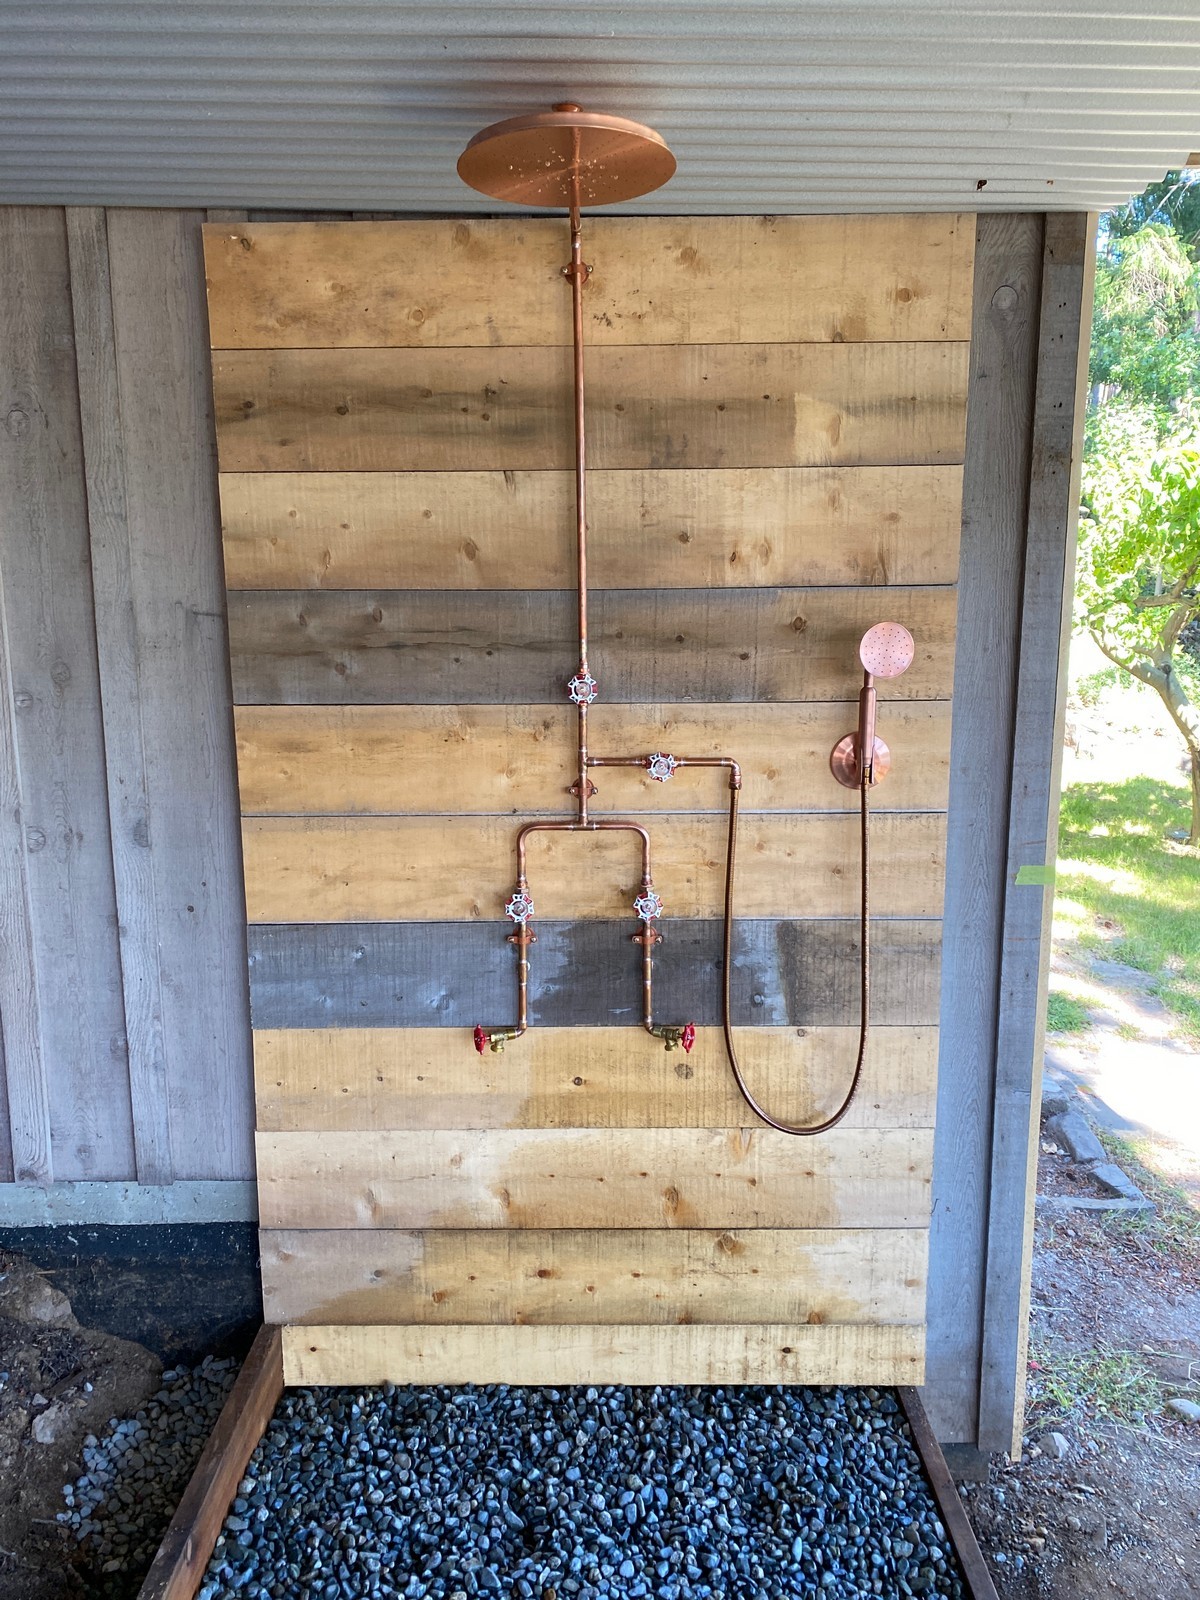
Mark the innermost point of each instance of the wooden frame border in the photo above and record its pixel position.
(190, 1539)
(188, 1543)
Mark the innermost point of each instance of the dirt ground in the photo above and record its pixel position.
(1115, 1333)
(58, 1383)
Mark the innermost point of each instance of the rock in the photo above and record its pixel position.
(1054, 1446)
(1187, 1409)
(1111, 1179)
(26, 1296)
(1056, 1098)
(48, 1424)
(1071, 1130)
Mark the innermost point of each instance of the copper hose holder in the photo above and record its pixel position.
(843, 762)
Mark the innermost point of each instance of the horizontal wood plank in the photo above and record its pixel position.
(696, 405)
(397, 760)
(340, 1079)
(443, 647)
(516, 530)
(587, 974)
(451, 869)
(654, 280)
(744, 1177)
(799, 1353)
(652, 1276)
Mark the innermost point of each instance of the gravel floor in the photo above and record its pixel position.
(542, 1493)
(135, 1473)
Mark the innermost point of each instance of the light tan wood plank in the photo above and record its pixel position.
(855, 1275)
(650, 529)
(654, 280)
(585, 1178)
(715, 405)
(397, 760)
(792, 1353)
(320, 1079)
(448, 869)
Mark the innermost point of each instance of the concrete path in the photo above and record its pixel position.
(1136, 1076)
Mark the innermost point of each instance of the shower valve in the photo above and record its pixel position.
(647, 906)
(582, 689)
(520, 907)
(661, 766)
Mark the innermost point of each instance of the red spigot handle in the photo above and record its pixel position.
(481, 1039)
(688, 1037)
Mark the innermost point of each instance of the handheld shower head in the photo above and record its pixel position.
(886, 650)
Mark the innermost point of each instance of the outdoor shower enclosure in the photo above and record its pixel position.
(776, 425)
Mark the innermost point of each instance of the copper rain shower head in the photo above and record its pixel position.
(566, 157)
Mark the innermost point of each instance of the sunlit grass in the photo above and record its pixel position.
(1173, 1227)
(1129, 892)
(1065, 1014)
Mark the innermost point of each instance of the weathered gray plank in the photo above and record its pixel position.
(6, 1162)
(455, 974)
(61, 800)
(27, 1104)
(1000, 399)
(1044, 635)
(119, 652)
(447, 647)
(160, 337)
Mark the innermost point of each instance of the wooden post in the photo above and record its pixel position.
(1065, 323)
(1008, 269)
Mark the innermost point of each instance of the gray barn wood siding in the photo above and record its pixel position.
(122, 989)
(124, 1030)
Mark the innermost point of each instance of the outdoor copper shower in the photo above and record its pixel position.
(572, 158)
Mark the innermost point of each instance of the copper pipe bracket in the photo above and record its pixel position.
(843, 762)
(591, 789)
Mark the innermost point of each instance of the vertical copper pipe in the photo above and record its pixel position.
(578, 274)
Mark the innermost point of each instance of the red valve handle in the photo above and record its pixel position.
(688, 1037)
(481, 1039)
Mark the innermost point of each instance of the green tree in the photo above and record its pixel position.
(1145, 337)
(1138, 577)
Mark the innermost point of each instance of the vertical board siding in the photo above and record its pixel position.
(60, 815)
(160, 334)
(397, 533)
(123, 1004)
(120, 653)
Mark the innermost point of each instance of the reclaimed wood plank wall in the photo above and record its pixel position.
(123, 1012)
(776, 431)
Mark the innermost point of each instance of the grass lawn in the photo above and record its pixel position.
(1127, 891)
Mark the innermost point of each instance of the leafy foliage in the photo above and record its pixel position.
(1140, 535)
(1145, 336)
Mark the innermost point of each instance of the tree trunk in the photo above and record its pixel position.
(1186, 717)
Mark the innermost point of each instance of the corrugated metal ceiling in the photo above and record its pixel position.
(768, 107)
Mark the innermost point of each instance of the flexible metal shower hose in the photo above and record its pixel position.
(808, 1129)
